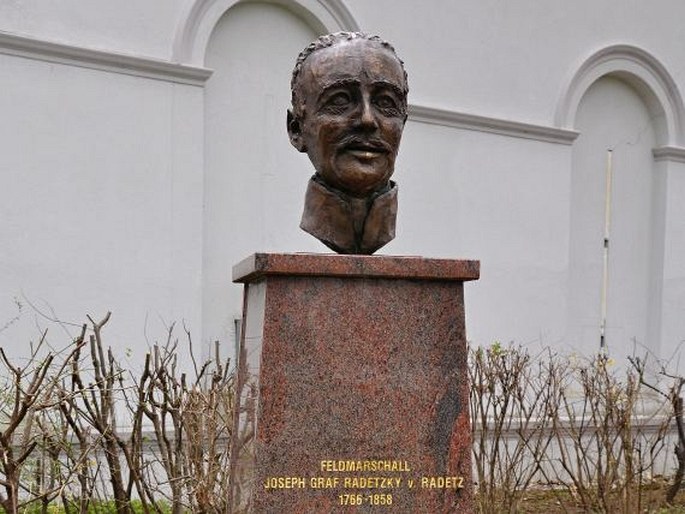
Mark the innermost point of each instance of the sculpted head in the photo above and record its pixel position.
(349, 106)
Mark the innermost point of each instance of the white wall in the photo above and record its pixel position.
(254, 178)
(612, 117)
(137, 191)
(125, 26)
(511, 59)
(101, 200)
(673, 318)
(455, 182)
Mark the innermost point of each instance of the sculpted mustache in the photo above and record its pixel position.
(360, 141)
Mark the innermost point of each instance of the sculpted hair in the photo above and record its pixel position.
(329, 40)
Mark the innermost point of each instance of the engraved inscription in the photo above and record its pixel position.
(376, 482)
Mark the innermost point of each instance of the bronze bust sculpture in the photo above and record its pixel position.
(349, 107)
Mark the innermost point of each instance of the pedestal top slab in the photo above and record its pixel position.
(369, 266)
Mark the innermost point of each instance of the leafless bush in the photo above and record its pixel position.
(192, 423)
(581, 427)
(608, 441)
(672, 393)
(514, 398)
(30, 395)
(76, 426)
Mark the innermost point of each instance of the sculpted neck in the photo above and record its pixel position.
(347, 224)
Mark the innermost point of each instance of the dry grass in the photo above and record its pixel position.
(548, 501)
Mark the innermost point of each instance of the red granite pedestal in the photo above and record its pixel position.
(352, 386)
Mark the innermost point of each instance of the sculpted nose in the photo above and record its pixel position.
(367, 118)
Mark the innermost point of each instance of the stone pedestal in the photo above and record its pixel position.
(352, 386)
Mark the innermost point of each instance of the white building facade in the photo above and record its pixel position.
(144, 152)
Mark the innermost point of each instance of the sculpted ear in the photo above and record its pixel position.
(295, 132)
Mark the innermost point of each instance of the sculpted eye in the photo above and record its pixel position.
(340, 99)
(386, 102)
(338, 102)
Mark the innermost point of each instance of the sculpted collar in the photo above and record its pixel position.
(347, 224)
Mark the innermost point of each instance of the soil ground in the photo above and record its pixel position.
(549, 501)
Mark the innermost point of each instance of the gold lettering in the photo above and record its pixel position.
(371, 482)
(284, 483)
(323, 482)
(444, 482)
(365, 466)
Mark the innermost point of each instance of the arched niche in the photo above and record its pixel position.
(199, 21)
(623, 100)
(646, 74)
(253, 179)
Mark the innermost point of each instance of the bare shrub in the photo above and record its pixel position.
(192, 423)
(514, 398)
(30, 394)
(672, 393)
(580, 427)
(77, 427)
(608, 441)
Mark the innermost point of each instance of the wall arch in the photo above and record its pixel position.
(253, 179)
(195, 29)
(646, 74)
(614, 115)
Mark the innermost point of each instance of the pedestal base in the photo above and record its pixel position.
(353, 387)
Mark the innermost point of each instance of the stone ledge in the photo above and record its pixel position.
(510, 128)
(137, 66)
(354, 266)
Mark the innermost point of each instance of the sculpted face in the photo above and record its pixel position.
(351, 114)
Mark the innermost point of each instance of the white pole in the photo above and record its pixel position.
(605, 271)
